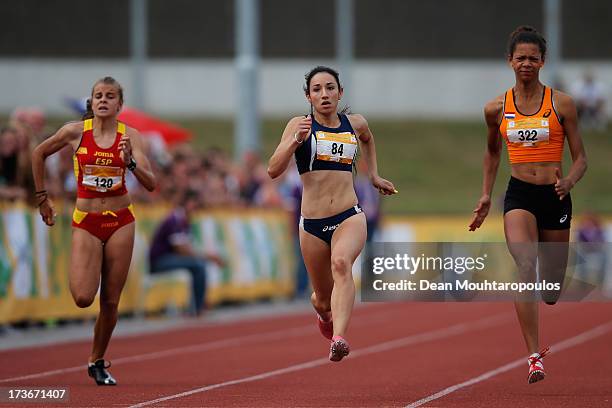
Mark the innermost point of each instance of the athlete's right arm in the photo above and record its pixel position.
(67, 134)
(296, 131)
(492, 113)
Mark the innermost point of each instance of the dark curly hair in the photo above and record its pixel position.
(526, 35)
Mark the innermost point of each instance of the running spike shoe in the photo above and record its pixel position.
(339, 348)
(97, 371)
(536, 366)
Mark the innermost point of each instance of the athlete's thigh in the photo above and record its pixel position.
(316, 254)
(85, 263)
(349, 238)
(520, 226)
(117, 259)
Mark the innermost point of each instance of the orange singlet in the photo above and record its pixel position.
(532, 138)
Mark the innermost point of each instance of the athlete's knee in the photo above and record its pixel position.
(526, 266)
(109, 305)
(341, 265)
(198, 267)
(83, 301)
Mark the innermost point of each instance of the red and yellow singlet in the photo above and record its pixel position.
(99, 172)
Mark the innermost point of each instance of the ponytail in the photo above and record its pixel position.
(88, 111)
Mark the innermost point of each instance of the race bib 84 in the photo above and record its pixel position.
(336, 147)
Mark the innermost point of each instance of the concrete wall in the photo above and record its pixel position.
(400, 88)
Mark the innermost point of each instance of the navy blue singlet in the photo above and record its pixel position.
(328, 148)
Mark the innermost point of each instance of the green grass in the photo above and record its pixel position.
(436, 166)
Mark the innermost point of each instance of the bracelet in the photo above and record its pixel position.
(41, 192)
(296, 139)
(43, 201)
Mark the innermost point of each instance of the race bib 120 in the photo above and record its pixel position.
(102, 178)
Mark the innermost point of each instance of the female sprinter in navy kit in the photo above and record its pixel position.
(103, 219)
(332, 226)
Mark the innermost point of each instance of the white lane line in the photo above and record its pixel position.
(212, 345)
(565, 344)
(389, 345)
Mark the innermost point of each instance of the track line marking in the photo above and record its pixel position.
(436, 334)
(212, 345)
(565, 344)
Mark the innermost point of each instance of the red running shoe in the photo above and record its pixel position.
(339, 348)
(536, 366)
(326, 328)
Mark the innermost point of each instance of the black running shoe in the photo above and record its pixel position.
(98, 372)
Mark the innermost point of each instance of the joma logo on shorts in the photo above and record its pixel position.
(109, 224)
(330, 227)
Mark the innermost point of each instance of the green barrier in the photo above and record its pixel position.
(35, 261)
(256, 244)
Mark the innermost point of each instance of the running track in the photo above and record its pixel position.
(403, 355)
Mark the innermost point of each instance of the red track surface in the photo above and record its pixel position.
(424, 348)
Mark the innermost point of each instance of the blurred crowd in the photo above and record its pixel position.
(219, 181)
(24, 130)
(590, 97)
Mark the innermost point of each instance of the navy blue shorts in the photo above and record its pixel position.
(324, 228)
(540, 200)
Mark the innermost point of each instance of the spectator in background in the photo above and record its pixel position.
(35, 119)
(592, 251)
(223, 186)
(30, 126)
(253, 176)
(172, 248)
(369, 199)
(10, 188)
(590, 102)
(268, 195)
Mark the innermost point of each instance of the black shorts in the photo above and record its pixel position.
(324, 228)
(540, 200)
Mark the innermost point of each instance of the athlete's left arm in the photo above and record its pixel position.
(368, 148)
(131, 145)
(567, 110)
